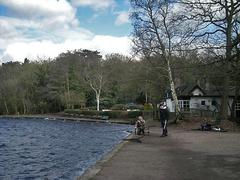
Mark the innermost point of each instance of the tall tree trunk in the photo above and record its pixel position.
(28, 107)
(174, 94)
(146, 97)
(98, 101)
(224, 103)
(68, 93)
(97, 93)
(24, 106)
(229, 29)
(6, 107)
(16, 109)
(155, 110)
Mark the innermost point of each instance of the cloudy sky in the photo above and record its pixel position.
(44, 28)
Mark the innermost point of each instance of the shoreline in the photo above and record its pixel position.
(93, 170)
(65, 118)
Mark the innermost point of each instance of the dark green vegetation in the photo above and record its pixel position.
(119, 114)
(49, 86)
(70, 80)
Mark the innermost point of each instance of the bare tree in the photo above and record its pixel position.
(218, 28)
(96, 81)
(159, 31)
(93, 73)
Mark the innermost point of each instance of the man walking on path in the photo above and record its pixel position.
(164, 115)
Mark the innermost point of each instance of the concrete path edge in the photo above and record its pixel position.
(95, 169)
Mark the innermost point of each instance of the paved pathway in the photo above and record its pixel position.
(183, 155)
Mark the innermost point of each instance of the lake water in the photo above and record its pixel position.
(38, 149)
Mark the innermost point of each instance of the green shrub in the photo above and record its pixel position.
(106, 103)
(135, 106)
(83, 112)
(115, 114)
(71, 111)
(92, 108)
(119, 107)
(134, 114)
(148, 106)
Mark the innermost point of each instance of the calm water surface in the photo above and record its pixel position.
(34, 149)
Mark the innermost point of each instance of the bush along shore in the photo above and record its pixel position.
(77, 116)
(113, 115)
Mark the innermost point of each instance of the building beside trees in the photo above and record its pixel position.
(205, 101)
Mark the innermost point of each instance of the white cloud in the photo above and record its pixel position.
(95, 4)
(46, 28)
(33, 21)
(49, 49)
(36, 9)
(32, 50)
(17, 30)
(122, 18)
(111, 44)
(49, 14)
(10, 27)
(7, 29)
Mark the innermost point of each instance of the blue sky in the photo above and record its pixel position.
(39, 29)
(104, 21)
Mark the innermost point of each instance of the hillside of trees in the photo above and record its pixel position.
(73, 79)
(69, 81)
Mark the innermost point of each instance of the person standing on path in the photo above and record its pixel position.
(164, 116)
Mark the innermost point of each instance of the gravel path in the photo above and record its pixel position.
(183, 155)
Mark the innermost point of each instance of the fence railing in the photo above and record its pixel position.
(201, 113)
(189, 113)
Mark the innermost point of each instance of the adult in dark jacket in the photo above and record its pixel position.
(164, 116)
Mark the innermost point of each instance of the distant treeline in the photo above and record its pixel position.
(75, 79)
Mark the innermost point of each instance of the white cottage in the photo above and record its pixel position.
(196, 98)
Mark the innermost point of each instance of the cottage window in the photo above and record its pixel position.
(237, 106)
(203, 103)
(237, 109)
(184, 105)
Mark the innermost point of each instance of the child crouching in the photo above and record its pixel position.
(140, 126)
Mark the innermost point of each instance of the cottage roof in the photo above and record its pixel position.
(187, 91)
